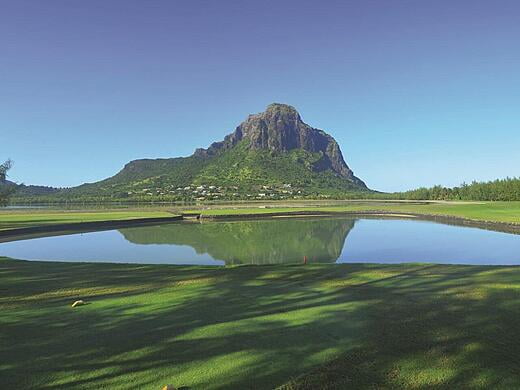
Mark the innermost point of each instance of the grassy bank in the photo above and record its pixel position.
(504, 212)
(507, 212)
(349, 326)
(12, 219)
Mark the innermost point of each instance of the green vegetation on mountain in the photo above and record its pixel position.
(143, 180)
(236, 173)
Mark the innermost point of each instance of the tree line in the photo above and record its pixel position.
(507, 189)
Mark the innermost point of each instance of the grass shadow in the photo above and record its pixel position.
(325, 326)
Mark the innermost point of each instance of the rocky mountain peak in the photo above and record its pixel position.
(280, 128)
(281, 111)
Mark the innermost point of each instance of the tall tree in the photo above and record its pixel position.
(3, 170)
(6, 189)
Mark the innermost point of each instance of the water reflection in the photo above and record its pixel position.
(321, 240)
(253, 242)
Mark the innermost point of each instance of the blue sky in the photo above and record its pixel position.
(416, 92)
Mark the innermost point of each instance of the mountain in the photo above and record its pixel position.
(271, 155)
(281, 129)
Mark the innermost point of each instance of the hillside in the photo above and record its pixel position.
(271, 155)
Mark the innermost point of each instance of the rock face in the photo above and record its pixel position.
(280, 128)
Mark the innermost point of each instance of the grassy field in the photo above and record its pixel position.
(25, 218)
(411, 326)
(508, 212)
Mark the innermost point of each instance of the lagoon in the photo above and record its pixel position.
(277, 241)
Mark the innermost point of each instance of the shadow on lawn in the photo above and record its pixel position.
(415, 326)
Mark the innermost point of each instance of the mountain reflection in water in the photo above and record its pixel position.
(254, 242)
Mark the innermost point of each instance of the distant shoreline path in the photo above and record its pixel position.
(78, 227)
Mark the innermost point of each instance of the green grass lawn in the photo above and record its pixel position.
(481, 211)
(411, 326)
(20, 219)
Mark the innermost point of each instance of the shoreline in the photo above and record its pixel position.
(79, 227)
(83, 227)
(504, 227)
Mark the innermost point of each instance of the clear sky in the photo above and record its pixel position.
(415, 92)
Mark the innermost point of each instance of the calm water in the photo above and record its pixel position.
(323, 240)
